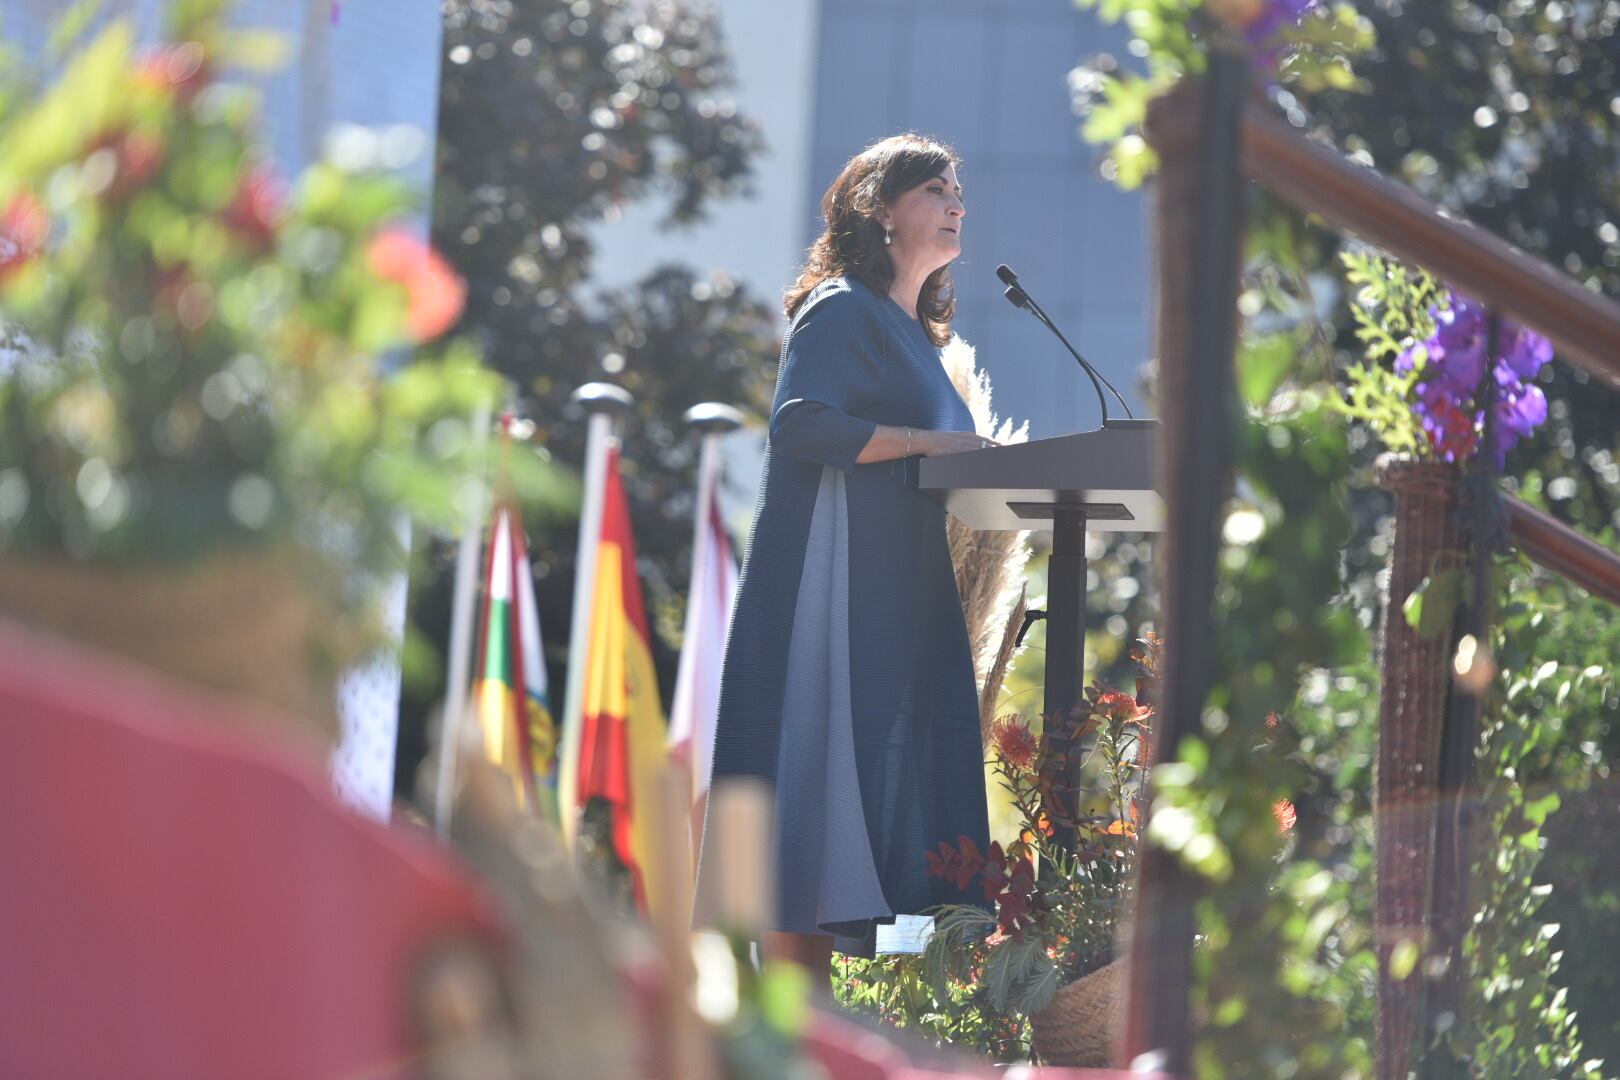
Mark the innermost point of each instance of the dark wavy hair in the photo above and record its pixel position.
(852, 244)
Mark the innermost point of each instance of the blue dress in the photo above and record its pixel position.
(848, 680)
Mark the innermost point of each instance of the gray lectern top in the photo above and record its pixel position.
(1109, 473)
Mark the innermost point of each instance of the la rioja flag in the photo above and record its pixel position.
(513, 712)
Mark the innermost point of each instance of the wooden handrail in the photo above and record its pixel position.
(1573, 555)
(1584, 326)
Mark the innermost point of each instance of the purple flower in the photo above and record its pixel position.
(1407, 360)
(1444, 403)
(1525, 351)
(1520, 410)
(1457, 347)
(1263, 22)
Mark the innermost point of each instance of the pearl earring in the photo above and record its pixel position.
(888, 236)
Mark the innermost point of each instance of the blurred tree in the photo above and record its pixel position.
(552, 115)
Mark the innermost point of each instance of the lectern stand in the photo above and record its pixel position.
(1102, 481)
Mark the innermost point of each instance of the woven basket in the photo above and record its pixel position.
(243, 623)
(1411, 717)
(1079, 1028)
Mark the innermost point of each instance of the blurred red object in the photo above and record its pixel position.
(185, 899)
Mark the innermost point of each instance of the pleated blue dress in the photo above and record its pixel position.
(848, 681)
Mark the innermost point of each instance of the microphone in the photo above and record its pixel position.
(1016, 296)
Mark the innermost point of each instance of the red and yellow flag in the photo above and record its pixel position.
(622, 741)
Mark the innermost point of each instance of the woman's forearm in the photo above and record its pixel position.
(888, 442)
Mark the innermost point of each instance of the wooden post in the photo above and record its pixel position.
(1411, 715)
(1199, 242)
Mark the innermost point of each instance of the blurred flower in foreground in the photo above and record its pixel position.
(23, 228)
(1283, 811)
(435, 293)
(257, 207)
(1263, 24)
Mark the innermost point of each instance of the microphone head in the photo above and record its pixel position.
(1015, 296)
(1004, 272)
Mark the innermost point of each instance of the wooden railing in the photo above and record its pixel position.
(1583, 325)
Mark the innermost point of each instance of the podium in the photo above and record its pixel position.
(1103, 480)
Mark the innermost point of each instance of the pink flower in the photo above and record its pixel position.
(436, 293)
(23, 228)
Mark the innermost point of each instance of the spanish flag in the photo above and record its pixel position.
(513, 713)
(622, 741)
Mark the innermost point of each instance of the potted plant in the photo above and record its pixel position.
(1043, 945)
(202, 463)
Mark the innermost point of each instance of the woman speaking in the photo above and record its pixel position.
(848, 681)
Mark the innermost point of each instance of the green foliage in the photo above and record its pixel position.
(898, 990)
(1555, 697)
(1391, 311)
(1173, 37)
(1279, 950)
(1433, 604)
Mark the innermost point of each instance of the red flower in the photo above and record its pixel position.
(1451, 431)
(257, 207)
(23, 228)
(181, 70)
(1015, 744)
(436, 293)
(1283, 811)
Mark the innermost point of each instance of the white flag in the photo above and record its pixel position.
(708, 614)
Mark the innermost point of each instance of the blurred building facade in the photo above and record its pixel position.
(358, 62)
(827, 77)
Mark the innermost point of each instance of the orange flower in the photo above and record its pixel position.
(1120, 706)
(437, 295)
(1283, 811)
(23, 228)
(1014, 743)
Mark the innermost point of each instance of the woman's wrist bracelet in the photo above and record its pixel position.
(908, 442)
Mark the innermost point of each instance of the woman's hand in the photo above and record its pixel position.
(888, 443)
(932, 443)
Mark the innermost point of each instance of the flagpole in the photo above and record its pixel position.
(453, 720)
(604, 403)
(713, 421)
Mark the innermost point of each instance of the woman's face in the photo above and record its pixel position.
(926, 223)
